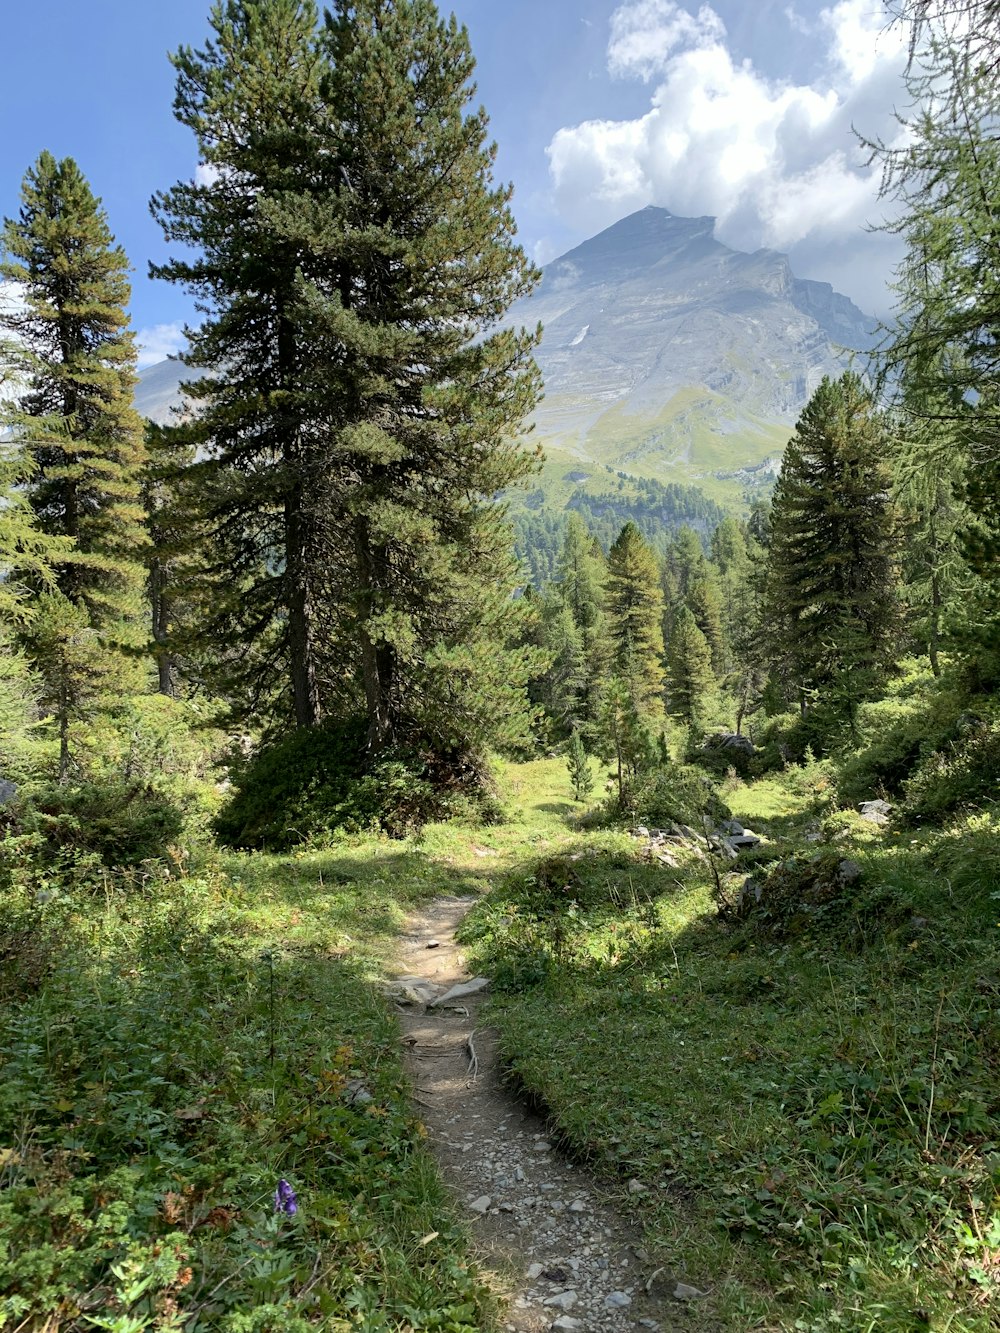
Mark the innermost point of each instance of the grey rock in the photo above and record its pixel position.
(637, 1187)
(433, 944)
(534, 1270)
(8, 790)
(649, 1323)
(682, 1292)
(460, 991)
(568, 1322)
(617, 1300)
(562, 1300)
(742, 841)
(876, 812)
(542, 1146)
(848, 872)
(729, 740)
(411, 991)
(356, 1094)
(482, 1204)
(578, 1206)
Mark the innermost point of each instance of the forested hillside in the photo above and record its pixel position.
(278, 669)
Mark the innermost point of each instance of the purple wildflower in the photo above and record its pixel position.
(284, 1199)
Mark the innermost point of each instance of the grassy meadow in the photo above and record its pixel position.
(814, 1113)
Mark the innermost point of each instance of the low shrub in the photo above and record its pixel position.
(315, 782)
(963, 774)
(823, 892)
(896, 735)
(676, 794)
(107, 823)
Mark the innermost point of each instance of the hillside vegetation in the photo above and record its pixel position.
(272, 674)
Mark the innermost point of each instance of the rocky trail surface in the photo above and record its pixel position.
(544, 1226)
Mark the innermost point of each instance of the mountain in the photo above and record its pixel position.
(158, 393)
(670, 356)
(670, 361)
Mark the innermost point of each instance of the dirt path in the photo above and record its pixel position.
(543, 1225)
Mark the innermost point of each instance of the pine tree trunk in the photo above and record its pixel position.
(378, 661)
(160, 616)
(63, 729)
(301, 616)
(298, 558)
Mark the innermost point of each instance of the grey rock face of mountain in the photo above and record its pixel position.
(158, 393)
(665, 353)
(654, 315)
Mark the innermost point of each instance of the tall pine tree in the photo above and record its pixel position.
(635, 619)
(355, 258)
(831, 579)
(72, 360)
(73, 354)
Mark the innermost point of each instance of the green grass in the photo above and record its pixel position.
(179, 1050)
(816, 1118)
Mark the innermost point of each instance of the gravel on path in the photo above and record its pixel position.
(544, 1226)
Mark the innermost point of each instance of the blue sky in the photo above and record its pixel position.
(739, 108)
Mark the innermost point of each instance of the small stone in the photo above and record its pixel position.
(649, 1323)
(682, 1292)
(567, 1321)
(506, 1207)
(562, 1300)
(534, 1270)
(578, 1206)
(637, 1187)
(433, 944)
(617, 1300)
(482, 1204)
(518, 1173)
(542, 1147)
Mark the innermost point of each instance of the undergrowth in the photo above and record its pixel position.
(811, 1099)
(169, 1053)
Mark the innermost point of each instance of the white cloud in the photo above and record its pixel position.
(206, 173)
(158, 342)
(775, 161)
(645, 33)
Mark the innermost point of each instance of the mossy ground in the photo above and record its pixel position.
(816, 1117)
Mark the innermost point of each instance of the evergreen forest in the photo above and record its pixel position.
(724, 786)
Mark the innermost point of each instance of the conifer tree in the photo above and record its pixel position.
(73, 355)
(623, 736)
(28, 556)
(564, 683)
(635, 618)
(356, 257)
(580, 774)
(690, 679)
(582, 571)
(831, 587)
(686, 560)
(704, 600)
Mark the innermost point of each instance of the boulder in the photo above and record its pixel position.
(876, 812)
